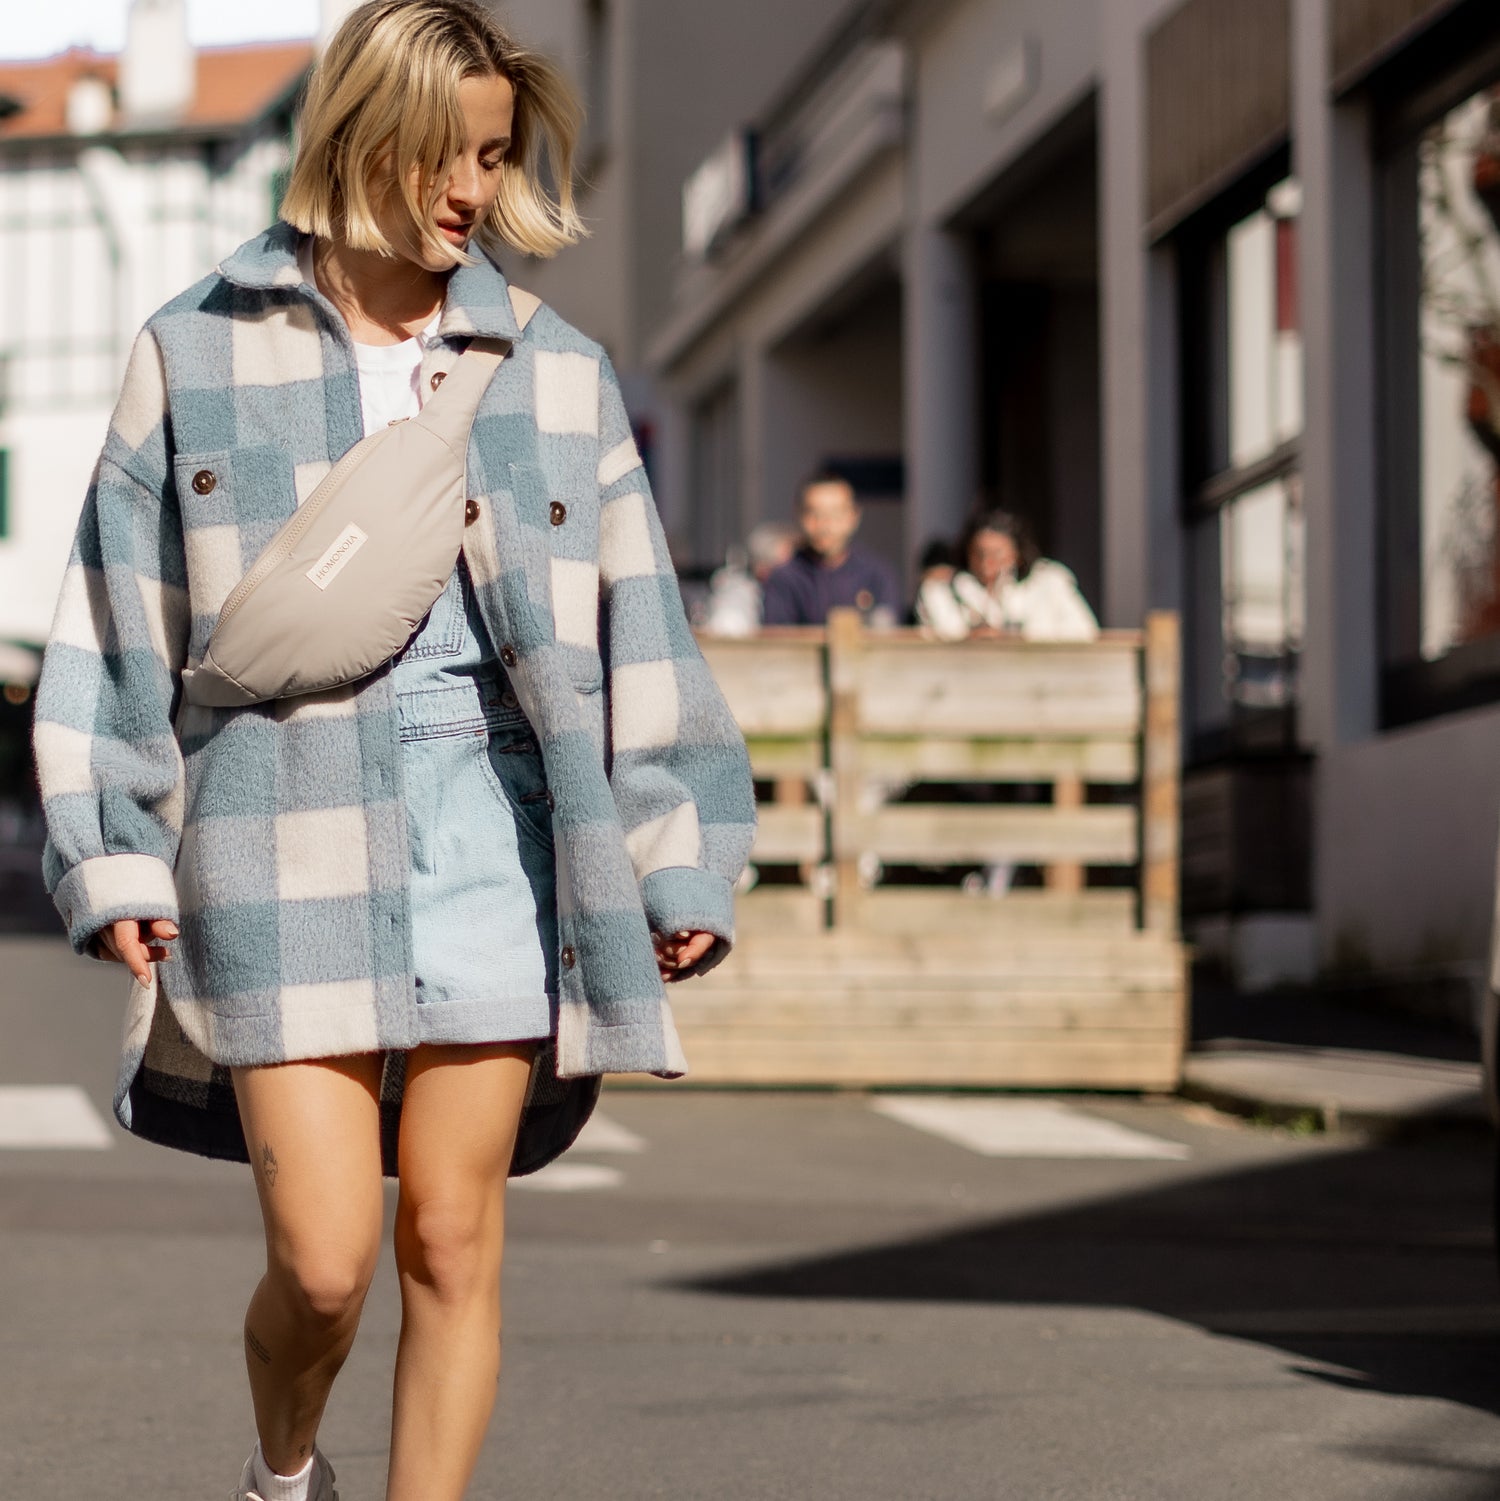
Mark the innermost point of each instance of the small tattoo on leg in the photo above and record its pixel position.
(256, 1348)
(268, 1164)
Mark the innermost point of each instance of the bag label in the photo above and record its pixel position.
(331, 564)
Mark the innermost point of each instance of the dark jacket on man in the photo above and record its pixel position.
(804, 589)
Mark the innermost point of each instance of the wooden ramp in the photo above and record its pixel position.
(886, 759)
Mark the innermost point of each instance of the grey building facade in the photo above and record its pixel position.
(1210, 292)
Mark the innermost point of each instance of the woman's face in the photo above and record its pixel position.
(992, 556)
(488, 106)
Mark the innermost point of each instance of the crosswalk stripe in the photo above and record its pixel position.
(38, 1116)
(1024, 1128)
(605, 1134)
(571, 1178)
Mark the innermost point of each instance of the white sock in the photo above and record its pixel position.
(276, 1487)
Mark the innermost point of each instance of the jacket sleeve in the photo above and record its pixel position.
(679, 769)
(108, 763)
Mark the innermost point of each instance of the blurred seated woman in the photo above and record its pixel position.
(1005, 587)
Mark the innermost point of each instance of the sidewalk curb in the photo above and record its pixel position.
(1324, 1111)
(1329, 1118)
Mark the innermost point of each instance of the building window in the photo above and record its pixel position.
(1242, 428)
(716, 475)
(1440, 611)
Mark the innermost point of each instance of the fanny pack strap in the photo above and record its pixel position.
(449, 412)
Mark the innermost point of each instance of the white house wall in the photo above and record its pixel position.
(92, 241)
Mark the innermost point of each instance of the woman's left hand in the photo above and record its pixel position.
(679, 952)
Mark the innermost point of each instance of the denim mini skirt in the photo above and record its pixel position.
(479, 824)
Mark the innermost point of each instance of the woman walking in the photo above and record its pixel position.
(401, 926)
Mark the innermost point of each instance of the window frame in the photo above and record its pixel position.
(1407, 97)
(1207, 488)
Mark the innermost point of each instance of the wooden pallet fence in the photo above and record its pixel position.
(885, 759)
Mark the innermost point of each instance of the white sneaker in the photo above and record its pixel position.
(319, 1487)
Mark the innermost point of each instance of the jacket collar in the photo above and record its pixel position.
(477, 306)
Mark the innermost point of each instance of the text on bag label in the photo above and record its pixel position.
(328, 567)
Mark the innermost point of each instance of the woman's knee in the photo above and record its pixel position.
(450, 1243)
(326, 1284)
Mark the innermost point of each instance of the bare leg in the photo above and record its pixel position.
(313, 1130)
(458, 1130)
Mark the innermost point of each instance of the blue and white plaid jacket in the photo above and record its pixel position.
(275, 835)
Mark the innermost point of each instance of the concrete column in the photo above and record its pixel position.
(1122, 319)
(940, 318)
(1339, 661)
(755, 436)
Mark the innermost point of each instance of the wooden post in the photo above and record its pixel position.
(845, 647)
(1161, 775)
(1067, 793)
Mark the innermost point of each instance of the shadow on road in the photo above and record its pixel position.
(1376, 1261)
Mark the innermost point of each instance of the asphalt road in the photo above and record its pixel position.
(749, 1297)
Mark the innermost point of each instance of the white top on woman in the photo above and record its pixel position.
(1046, 605)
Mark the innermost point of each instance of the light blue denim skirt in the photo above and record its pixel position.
(479, 823)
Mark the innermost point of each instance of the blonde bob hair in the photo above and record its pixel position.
(384, 101)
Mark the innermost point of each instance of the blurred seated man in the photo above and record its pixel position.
(828, 570)
(736, 591)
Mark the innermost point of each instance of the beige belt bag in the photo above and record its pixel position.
(343, 584)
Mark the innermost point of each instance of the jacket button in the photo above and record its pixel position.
(204, 481)
(559, 513)
(510, 700)
(569, 958)
(508, 655)
(471, 513)
(438, 379)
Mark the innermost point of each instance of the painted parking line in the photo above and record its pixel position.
(571, 1178)
(39, 1116)
(1024, 1128)
(604, 1134)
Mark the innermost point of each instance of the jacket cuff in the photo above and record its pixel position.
(97, 892)
(682, 899)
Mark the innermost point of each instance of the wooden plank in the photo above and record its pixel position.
(1065, 877)
(788, 834)
(949, 834)
(859, 1007)
(773, 686)
(778, 910)
(937, 1057)
(927, 758)
(846, 644)
(988, 688)
(930, 909)
(1161, 792)
(1046, 958)
(773, 756)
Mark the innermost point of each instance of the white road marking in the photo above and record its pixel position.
(602, 1134)
(37, 1116)
(1023, 1128)
(571, 1178)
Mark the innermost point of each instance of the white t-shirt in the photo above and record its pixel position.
(1044, 606)
(390, 384)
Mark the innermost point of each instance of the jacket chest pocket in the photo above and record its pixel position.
(232, 500)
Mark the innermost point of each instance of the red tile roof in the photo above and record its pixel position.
(235, 85)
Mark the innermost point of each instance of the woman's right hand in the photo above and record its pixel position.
(135, 943)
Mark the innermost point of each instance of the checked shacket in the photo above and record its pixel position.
(275, 835)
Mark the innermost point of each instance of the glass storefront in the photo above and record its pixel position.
(1459, 240)
(1440, 252)
(1243, 420)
